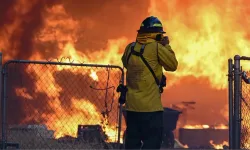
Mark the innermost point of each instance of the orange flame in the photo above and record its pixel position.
(196, 126)
(246, 121)
(82, 110)
(221, 126)
(93, 75)
(204, 35)
(199, 31)
(218, 146)
(23, 92)
(81, 107)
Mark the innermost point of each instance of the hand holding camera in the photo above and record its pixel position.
(165, 41)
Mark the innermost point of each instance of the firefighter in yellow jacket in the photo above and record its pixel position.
(144, 60)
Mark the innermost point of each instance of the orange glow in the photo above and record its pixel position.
(23, 92)
(204, 35)
(68, 122)
(221, 126)
(196, 126)
(245, 115)
(69, 54)
(218, 146)
(246, 126)
(110, 55)
(82, 112)
(93, 75)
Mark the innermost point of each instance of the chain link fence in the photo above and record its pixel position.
(245, 112)
(56, 105)
(239, 103)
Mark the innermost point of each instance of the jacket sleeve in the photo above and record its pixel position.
(125, 56)
(167, 57)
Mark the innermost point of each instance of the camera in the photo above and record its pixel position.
(123, 90)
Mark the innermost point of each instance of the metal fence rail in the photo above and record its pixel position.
(231, 103)
(239, 104)
(60, 105)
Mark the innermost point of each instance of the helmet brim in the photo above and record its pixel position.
(143, 31)
(151, 30)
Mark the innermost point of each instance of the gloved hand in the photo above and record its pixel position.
(165, 41)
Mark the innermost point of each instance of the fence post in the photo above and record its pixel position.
(237, 99)
(120, 114)
(4, 100)
(230, 102)
(2, 103)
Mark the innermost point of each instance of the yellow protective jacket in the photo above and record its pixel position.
(143, 93)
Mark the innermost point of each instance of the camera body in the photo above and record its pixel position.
(162, 39)
(159, 37)
(123, 90)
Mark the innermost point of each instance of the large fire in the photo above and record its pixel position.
(203, 33)
(81, 112)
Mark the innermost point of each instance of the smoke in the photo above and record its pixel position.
(19, 23)
(37, 27)
(4, 9)
(18, 108)
(110, 19)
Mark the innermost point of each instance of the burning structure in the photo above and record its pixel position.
(203, 136)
